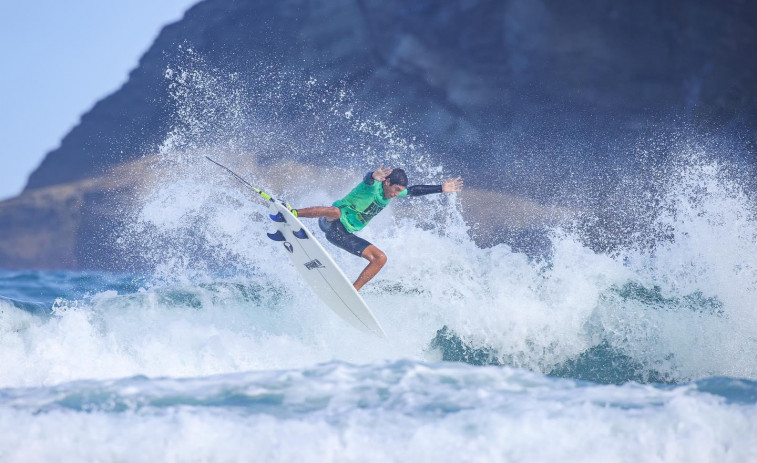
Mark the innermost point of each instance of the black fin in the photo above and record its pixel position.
(277, 218)
(301, 234)
(278, 236)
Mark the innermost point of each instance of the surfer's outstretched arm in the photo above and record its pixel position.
(451, 185)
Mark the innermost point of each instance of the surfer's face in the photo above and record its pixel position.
(391, 191)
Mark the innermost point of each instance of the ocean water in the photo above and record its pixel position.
(637, 354)
(603, 346)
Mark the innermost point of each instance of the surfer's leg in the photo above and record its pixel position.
(330, 212)
(376, 259)
(339, 236)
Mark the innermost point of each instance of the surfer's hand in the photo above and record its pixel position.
(452, 185)
(380, 174)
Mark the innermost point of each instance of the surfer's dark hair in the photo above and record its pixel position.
(397, 177)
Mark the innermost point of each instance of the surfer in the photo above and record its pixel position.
(352, 213)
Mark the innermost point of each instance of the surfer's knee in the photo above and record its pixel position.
(380, 258)
(375, 255)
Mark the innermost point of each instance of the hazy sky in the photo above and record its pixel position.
(56, 60)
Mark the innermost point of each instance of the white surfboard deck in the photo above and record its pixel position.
(322, 274)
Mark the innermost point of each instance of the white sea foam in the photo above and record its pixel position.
(533, 314)
(223, 298)
(386, 412)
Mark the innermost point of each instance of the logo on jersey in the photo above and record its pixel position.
(370, 212)
(289, 246)
(313, 264)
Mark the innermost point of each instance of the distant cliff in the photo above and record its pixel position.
(472, 73)
(517, 92)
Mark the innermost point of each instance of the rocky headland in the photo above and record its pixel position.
(530, 100)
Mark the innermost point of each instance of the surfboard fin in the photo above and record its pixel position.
(301, 234)
(277, 218)
(278, 236)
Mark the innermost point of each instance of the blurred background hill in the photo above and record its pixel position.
(543, 102)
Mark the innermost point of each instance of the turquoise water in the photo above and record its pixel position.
(388, 411)
(577, 360)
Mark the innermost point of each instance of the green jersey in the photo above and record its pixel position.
(362, 204)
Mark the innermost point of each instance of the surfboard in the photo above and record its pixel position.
(320, 271)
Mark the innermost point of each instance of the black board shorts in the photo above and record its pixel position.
(340, 237)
